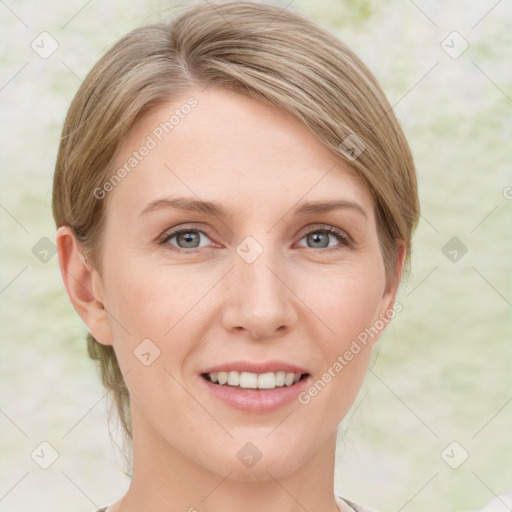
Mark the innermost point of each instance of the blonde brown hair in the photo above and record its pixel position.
(270, 54)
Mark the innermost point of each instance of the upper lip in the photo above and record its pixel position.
(251, 367)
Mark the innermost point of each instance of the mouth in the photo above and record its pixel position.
(255, 387)
(255, 381)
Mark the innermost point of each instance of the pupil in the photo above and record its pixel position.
(323, 239)
(190, 240)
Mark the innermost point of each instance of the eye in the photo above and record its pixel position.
(184, 239)
(320, 238)
(190, 240)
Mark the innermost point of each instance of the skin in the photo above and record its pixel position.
(298, 301)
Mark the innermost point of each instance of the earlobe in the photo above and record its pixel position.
(392, 287)
(83, 285)
(388, 306)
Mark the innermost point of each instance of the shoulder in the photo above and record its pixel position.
(357, 507)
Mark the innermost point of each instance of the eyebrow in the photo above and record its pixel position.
(216, 209)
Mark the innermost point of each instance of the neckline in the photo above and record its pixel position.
(338, 499)
(346, 502)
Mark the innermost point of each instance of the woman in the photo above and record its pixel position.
(235, 201)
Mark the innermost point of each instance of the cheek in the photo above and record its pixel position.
(347, 307)
(152, 300)
(348, 302)
(157, 319)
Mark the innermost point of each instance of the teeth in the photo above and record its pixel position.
(280, 378)
(266, 380)
(233, 378)
(249, 380)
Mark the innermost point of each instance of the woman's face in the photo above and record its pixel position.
(274, 284)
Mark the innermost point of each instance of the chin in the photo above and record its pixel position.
(248, 463)
(261, 471)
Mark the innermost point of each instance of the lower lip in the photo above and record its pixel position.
(256, 400)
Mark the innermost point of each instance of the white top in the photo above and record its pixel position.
(501, 503)
(355, 506)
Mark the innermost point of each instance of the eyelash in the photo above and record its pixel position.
(340, 235)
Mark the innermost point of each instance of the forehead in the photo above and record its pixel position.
(229, 147)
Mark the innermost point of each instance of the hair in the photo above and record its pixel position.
(277, 56)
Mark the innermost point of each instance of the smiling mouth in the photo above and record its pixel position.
(258, 381)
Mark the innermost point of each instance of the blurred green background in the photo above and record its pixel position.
(441, 386)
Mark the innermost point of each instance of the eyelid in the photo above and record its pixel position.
(345, 239)
(174, 230)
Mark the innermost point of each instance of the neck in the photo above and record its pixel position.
(164, 479)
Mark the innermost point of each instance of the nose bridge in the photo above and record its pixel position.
(258, 300)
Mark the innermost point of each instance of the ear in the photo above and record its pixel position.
(83, 285)
(388, 308)
(392, 287)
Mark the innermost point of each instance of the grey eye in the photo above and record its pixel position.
(186, 239)
(319, 239)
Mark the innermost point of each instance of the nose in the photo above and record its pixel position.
(258, 299)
